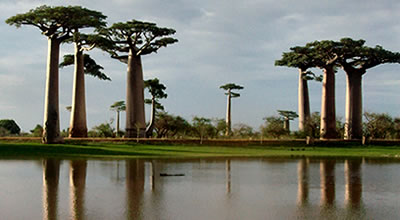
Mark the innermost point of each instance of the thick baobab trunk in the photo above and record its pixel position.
(150, 127)
(135, 117)
(228, 115)
(286, 124)
(77, 126)
(328, 111)
(304, 102)
(51, 122)
(117, 124)
(353, 125)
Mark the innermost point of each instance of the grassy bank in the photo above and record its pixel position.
(124, 150)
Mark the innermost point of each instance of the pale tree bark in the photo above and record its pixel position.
(77, 182)
(135, 116)
(228, 115)
(328, 109)
(78, 127)
(51, 122)
(353, 125)
(150, 127)
(303, 102)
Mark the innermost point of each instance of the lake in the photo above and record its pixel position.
(268, 188)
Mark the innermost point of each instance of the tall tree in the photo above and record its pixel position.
(118, 107)
(57, 24)
(83, 64)
(132, 39)
(287, 117)
(156, 90)
(230, 94)
(355, 58)
(324, 53)
(301, 58)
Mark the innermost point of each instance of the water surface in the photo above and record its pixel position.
(200, 189)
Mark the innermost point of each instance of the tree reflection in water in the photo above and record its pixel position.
(135, 173)
(77, 182)
(51, 173)
(316, 180)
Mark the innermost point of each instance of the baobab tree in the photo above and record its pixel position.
(133, 39)
(355, 58)
(57, 24)
(301, 58)
(84, 64)
(230, 94)
(156, 90)
(287, 117)
(325, 58)
(118, 107)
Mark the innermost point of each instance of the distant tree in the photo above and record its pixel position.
(301, 58)
(274, 127)
(10, 125)
(378, 125)
(203, 127)
(397, 128)
(37, 131)
(168, 125)
(220, 126)
(241, 130)
(287, 116)
(132, 40)
(118, 107)
(230, 94)
(156, 90)
(57, 24)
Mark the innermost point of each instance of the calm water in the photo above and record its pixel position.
(209, 189)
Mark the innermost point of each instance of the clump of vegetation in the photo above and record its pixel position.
(102, 130)
(9, 127)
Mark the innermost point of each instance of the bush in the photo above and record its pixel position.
(102, 130)
(10, 125)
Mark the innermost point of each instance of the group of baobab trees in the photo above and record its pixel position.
(124, 41)
(128, 41)
(350, 55)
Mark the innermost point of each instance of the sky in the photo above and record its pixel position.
(224, 41)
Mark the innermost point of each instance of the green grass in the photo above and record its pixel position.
(123, 150)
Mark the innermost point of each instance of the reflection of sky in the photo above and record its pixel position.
(219, 42)
(259, 189)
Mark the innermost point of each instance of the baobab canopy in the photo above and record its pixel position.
(141, 37)
(59, 20)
